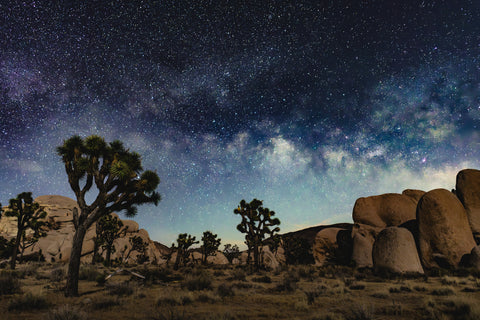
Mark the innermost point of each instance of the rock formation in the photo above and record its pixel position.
(444, 231)
(363, 237)
(386, 210)
(394, 251)
(468, 191)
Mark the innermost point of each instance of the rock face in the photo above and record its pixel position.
(326, 245)
(468, 191)
(415, 194)
(363, 237)
(395, 251)
(386, 210)
(56, 246)
(475, 258)
(444, 231)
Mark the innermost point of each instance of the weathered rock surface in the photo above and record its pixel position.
(475, 258)
(468, 191)
(363, 237)
(395, 251)
(412, 193)
(386, 210)
(326, 245)
(444, 231)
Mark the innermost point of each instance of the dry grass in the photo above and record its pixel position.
(294, 293)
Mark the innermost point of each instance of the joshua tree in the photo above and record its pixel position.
(137, 244)
(109, 228)
(120, 181)
(210, 245)
(231, 252)
(184, 242)
(256, 224)
(29, 215)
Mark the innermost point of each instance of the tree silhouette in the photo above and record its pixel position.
(137, 244)
(231, 252)
(184, 242)
(109, 228)
(121, 184)
(29, 215)
(256, 224)
(210, 245)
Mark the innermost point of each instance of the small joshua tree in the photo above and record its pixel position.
(257, 222)
(137, 244)
(29, 215)
(231, 252)
(184, 242)
(109, 228)
(210, 245)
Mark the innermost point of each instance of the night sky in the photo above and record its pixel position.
(306, 105)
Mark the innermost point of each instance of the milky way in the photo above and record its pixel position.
(306, 105)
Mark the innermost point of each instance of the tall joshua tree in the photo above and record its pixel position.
(29, 215)
(257, 222)
(121, 184)
(210, 244)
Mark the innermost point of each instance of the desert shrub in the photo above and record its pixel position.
(105, 303)
(169, 314)
(218, 273)
(306, 272)
(400, 289)
(172, 298)
(361, 311)
(224, 291)
(380, 295)
(57, 275)
(463, 308)
(357, 286)
(239, 274)
(224, 316)
(446, 280)
(88, 272)
(447, 291)
(119, 289)
(263, 279)
(67, 312)
(242, 285)
(197, 282)
(301, 305)
(329, 316)
(419, 288)
(206, 297)
(288, 284)
(28, 270)
(9, 284)
(100, 279)
(28, 301)
(394, 309)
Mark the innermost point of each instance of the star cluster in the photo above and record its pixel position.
(306, 105)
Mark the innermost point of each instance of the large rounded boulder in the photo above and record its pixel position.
(394, 251)
(386, 210)
(444, 231)
(468, 191)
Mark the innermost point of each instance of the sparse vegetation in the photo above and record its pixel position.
(119, 288)
(28, 301)
(67, 312)
(9, 284)
(201, 281)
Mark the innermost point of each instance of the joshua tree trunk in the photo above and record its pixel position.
(108, 256)
(71, 288)
(15, 250)
(256, 256)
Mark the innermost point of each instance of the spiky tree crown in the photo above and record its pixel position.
(29, 214)
(257, 221)
(117, 173)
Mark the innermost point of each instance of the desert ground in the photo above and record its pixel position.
(34, 291)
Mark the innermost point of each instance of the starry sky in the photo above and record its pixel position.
(306, 105)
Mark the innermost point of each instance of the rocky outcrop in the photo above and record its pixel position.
(386, 210)
(56, 246)
(468, 191)
(444, 231)
(394, 251)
